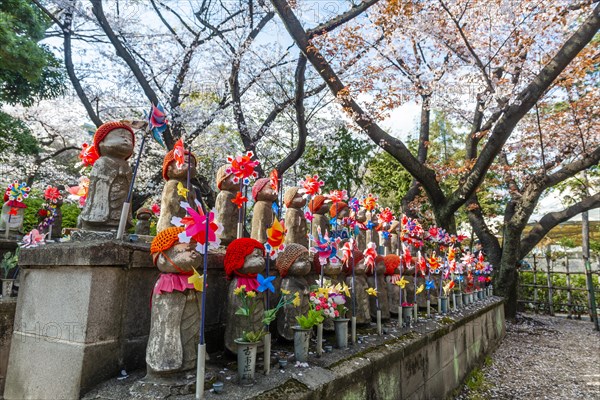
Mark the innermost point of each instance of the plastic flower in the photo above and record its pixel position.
(242, 167)
(251, 294)
(285, 292)
(33, 239)
(265, 283)
(311, 185)
(238, 290)
(195, 227)
(369, 202)
(155, 207)
(372, 292)
(239, 200)
(296, 301)
(308, 215)
(88, 155)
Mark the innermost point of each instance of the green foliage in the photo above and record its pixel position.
(559, 297)
(388, 179)
(28, 71)
(312, 318)
(340, 163)
(8, 263)
(16, 137)
(70, 213)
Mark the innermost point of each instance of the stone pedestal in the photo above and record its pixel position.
(7, 316)
(82, 316)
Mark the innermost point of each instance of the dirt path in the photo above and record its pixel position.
(541, 358)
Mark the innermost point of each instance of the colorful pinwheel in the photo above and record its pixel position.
(195, 227)
(274, 180)
(354, 204)
(370, 202)
(157, 123)
(265, 283)
(337, 196)
(311, 185)
(88, 155)
(242, 167)
(275, 238)
(326, 247)
(370, 254)
(429, 284)
(179, 153)
(385, 216)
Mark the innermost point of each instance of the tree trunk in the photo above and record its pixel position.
(506, 278)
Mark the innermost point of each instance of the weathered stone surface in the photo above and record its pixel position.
(7, 317)
(295, 222)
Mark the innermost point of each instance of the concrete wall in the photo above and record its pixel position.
(427, 365)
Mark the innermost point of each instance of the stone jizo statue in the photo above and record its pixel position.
(262, 215)
(318, 207)
(382, 293)
(363, 315)
(295, 221)
(392, 270)
(170, 202)
(143, 215)
(227, 212)
(244, 259)
(110, 178)
(176, 307)
(293, 266)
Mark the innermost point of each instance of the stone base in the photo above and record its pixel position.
(156, 388)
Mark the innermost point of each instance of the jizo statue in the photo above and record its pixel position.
(262, 215)
(227, 211)
(295, 221)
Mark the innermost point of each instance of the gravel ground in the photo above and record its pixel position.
(541, 357)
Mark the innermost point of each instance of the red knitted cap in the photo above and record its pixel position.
(258, 186)
(336, 208)
(316, 203)
(106, 128)
(169, 158)
(236, 253)
(392, 262)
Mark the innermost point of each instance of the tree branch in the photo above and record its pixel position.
(341, 19)
(549, 221)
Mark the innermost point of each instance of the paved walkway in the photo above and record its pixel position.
(541, 358)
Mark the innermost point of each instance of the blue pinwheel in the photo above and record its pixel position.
(429, 284)
(265, 283)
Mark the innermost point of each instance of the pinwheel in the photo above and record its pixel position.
(265, 283)
(311, 185)
(88, 155)
(354, 204)
(157, 123)
(242, 167)
(179, 153)
(275, 238)
(370, 202)
(420, 289)
(33, 239)
(370, 254)
(239, 200)
(337, 196)
(195, 227)
(429, 284)
(274, 180)
(197, 280)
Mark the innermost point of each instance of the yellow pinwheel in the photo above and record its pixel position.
(197, 280)
(372, 292)
(181, 190)
(420, 289)
(401, 283)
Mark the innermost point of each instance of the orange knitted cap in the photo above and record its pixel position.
(316, 203)
(236, 253)
(169, 158)
(336, 208)
(222, 175)
(392, 262)
(289, 256)
(106, 128)
(164, 241)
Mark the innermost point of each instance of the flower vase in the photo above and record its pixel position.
(480, 294)
(465, 299)
(471, 298)
(444, 301)
(246, 358)
(7, 285)
(459, 300)
(341, 332)
(301, 342)
(407, 312)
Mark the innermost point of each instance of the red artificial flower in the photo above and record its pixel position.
(239, 200)
(13, 211)
(52, 194)
(155, 209)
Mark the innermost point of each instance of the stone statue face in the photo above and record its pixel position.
(334, 269)
(184, 255)
(180, 174)
(344, 213)
(144, 216)
(266, 194)
(360, 268)
(361, 215)
(324, 208)
(228, 184)
(300, 267)
(380, 267)
(118, 143)
(298, 201)
(254, 263)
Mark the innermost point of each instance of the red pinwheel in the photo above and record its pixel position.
(274, 180)
(347, 249)
(407, 256)
(337, 196)
(370, 254)
(179, 153)
(88, 155)
(385, 216)
(52, 194)
(242, 167)
(239, 200)
(195, 227)
(311, 185)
